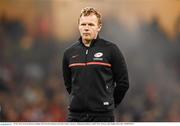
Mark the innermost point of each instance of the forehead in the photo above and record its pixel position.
(89, 19)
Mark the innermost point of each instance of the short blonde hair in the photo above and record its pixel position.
(88, 11)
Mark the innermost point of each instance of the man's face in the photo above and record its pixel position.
(89, 27)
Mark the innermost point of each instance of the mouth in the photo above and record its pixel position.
(86, 34)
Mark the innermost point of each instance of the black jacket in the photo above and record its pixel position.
(96, 77)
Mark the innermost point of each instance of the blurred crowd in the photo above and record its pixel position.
(153, 62)
(31, 84)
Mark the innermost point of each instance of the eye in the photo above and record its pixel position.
(91, 24)
(83, 24)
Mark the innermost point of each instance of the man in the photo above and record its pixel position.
(95, 73)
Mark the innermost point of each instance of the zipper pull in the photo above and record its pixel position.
(86, 51)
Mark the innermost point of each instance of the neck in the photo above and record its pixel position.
(87, 43)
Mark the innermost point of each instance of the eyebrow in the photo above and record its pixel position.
(87, 23)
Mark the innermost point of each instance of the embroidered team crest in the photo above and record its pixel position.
(99, 54)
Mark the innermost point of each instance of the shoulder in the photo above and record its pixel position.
(71, 47)
(112, 47)
(108, 43)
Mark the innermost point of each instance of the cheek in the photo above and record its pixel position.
(95, 31)
(80, 30)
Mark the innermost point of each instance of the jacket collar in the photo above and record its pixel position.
(92, 42)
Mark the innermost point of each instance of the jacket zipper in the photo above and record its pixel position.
(86, 51)
(86, 101)
(86, 55)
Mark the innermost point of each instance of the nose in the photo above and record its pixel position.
(86, 28)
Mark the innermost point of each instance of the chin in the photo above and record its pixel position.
(87, 38)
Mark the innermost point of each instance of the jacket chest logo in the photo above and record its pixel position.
(98, 56)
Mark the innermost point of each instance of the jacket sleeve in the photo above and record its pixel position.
(120, 75)
(66, 73)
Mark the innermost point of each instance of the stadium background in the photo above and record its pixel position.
(34, 33)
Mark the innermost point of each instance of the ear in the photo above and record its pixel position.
(99, 27)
